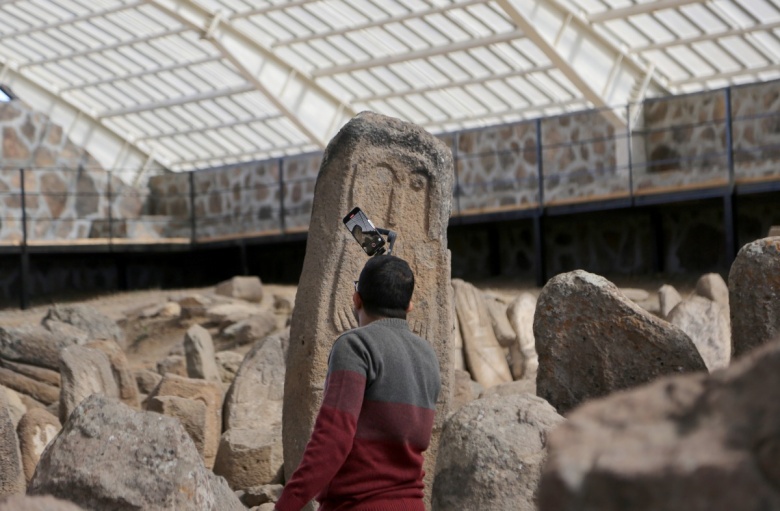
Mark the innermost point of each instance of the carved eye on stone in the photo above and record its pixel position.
(417, 182)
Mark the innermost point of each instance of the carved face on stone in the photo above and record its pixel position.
(396, 195)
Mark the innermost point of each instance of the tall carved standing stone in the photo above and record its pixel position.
(401, 176)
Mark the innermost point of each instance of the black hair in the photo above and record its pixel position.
(386, 285)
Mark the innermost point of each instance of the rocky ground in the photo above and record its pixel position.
(148, 341)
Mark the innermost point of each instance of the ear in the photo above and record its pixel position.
(357, 301)
(410, 307)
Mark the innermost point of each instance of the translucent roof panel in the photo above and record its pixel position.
(187, 84)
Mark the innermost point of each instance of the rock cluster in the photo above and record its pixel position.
(83, 428)
(578, 399)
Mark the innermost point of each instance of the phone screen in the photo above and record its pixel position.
(364, 232)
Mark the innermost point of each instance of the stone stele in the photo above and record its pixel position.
(401, 176)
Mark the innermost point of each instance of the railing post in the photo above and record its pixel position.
(24, 297)
(539, 251)
(455, 143)
(729, 199)
(630, 143)
(193, 224)
(110, 213)
(282, 223)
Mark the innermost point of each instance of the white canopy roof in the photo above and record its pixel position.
(184, 84)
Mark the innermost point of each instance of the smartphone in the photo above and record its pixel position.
(364, 232)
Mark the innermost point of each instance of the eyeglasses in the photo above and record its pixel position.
(356, 285)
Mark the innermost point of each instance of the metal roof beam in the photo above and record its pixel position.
(603, 74)
(184, 100)
(104, 47)
(378, 23)
(272, 8)
(141, 74)
(460, 83)
(314, 111)
(727, 75)
(714, 36)
(419, 54)
(256, 154)
(71, 21)
(190, 131)
(644, 8)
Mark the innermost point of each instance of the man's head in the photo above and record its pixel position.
(385, 287)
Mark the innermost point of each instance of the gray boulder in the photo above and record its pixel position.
(96, 324)
(123, 376)
(199, 354)
(707, 324)
(668, 298)
(84, 371)
(255, 398)
(12, 480)
(253, 329)
(713, 287)
(592, 341)
(224, 498)
(754, 295)
(524, 360)
(245, 288)
(36, 429)
(110, 456)
(36, 345)
(491, 454)
(38, 503)
(228, 363)
(692, 442)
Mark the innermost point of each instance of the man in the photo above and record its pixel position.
(365, 453)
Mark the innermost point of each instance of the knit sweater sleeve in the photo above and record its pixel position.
(335, 426)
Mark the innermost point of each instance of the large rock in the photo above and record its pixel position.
(37, 503)
(511, 388)
(464, 389)
(245, 288)
(224, 498)
(485, 358)
(252, 329)
(668, 298)
(173, 364)
(199, 353)
(210, 394)
(146, 380)
(13, 401)
(226, 314)
(124, 377)
(85, 371)
(688, 442)
(41, 374)
(713, 287)
(491, 454)
(524, 360)
(250, 457)
(36, 345)
(39, 391)
(707, 324)
(255, 398)
(228, 363)
(191, 414)
(592, 341)
(153, 463)
(36, 429)
(402, 176)
(754, 295)
(505, 334)
(456, 345)
(96, 324)
(11, 470)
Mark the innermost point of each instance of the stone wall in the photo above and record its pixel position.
(67, 193)
(756, 131)
(496, 168)
(242, 199)
(684, 140)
